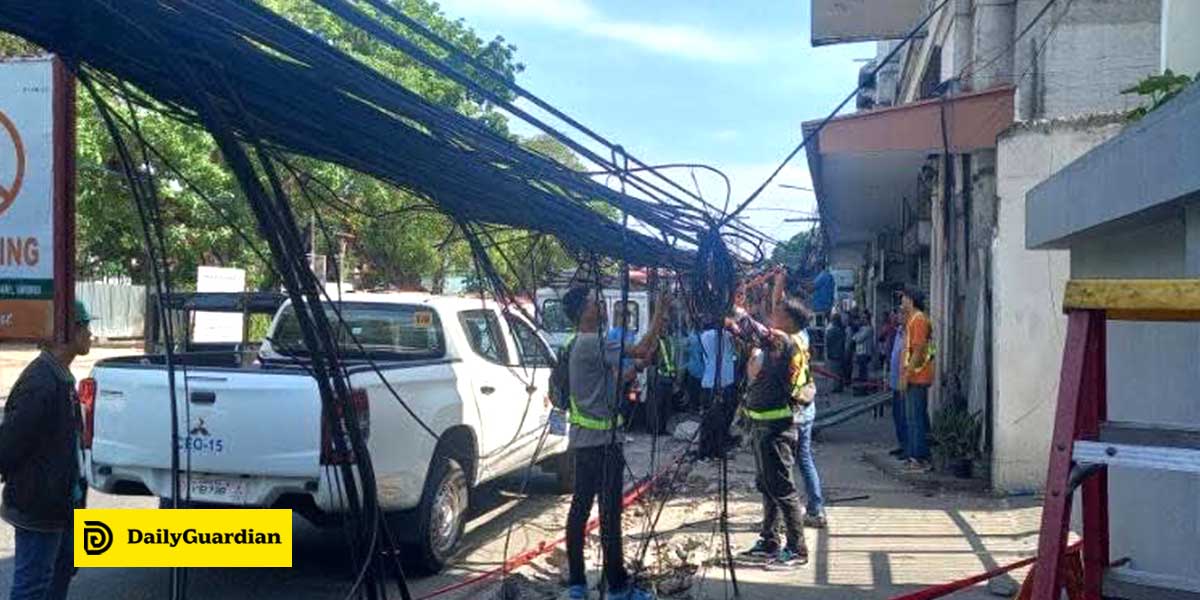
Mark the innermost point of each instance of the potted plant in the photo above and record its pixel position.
(955, 432)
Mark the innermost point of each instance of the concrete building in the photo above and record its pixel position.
(927, 186)
(1130, 209)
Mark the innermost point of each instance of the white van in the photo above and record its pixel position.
(558, 329)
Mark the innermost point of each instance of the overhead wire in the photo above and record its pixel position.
(363, 120)
(813, 132)
(151, 231)
(460, 55)
(233, 105)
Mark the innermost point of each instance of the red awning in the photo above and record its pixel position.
(972, 122)
(865, 165)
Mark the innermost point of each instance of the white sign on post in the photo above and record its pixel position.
(213, 326)
(27, 199)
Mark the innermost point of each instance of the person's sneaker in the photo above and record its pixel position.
(577, 592)
(630, 593)
(761, 551)
(817, 521)
(896, 452)
(787, 559)
(917, 466)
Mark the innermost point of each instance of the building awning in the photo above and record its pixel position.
(840, 21)
(1148, 168)
(866, 165)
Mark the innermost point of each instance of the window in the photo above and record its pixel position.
(634, 311)
(554, 318)
(530, 346)
(484, 333)
(387, 331)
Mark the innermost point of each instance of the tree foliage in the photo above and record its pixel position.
(1158, 89)
(802, 252)
(392, 238)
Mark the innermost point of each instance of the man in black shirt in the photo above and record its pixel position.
(781, 386)
(39, 459)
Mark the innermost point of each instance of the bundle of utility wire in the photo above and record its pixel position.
(266, 89)
(274, 82)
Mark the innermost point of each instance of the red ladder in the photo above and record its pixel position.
(1084, 443)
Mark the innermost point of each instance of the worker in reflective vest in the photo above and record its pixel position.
(596, 372)
(666, 358)
(781, 386)
(664, 386)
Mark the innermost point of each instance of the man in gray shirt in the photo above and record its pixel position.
(864, 347)
(594, 436)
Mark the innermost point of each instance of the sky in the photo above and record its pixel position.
(722, 83)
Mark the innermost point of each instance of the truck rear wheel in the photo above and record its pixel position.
(442, 514)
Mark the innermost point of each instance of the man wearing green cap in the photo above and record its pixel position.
(40, 464)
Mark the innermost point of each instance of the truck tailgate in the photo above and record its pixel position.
(237, 422)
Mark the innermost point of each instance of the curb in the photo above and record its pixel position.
(934, 482)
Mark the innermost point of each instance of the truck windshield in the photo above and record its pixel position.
(389, 331)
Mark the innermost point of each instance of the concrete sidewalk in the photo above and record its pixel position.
(901, 538)
(14, 358)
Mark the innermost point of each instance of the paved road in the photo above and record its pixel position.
(898, 540)
(319, 565)
(320, 569)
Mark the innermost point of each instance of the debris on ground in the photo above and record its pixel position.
(558, 570)
(685, 431)
(520, 587)
(556, 562)
(673, 566)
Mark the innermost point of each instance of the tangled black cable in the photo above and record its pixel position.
(298, 93)
(262, 87)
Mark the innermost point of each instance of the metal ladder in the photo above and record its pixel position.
(1085, 443)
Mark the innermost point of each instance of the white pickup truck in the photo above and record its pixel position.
(476, 375)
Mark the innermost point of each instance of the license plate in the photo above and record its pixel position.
(220, 490)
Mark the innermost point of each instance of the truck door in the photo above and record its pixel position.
(499, 392)
(534, 360)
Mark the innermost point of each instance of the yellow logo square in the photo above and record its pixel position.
(183, 538)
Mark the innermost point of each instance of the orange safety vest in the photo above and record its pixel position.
(923, 374)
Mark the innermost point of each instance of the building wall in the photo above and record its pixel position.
(1098, 48)
(1155, 362)
(1181, 36)
(1028, 326)
(982, 178)
(847, 257)
(888, 76)
(992, 33)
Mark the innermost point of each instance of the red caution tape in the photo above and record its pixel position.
(946, 589)
(875, 383)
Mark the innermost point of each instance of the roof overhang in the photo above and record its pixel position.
(1148, 169)
(839, 21)
(866, 165)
